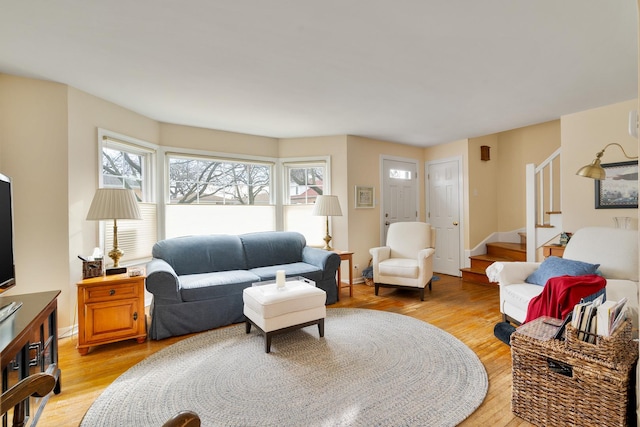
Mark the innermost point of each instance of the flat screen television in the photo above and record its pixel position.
(7, 265)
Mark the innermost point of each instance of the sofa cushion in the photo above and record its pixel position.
(519, 295)
(309, 271)
(268, 248)
(555, 267)
(201, 254)
(194, 287)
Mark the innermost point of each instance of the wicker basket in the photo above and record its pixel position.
(369, 281)
(555, 385)
(608, 349)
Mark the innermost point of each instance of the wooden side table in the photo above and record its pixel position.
(110, 309)
(345, 256)
(553, 250)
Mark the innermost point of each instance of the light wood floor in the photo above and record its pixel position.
(466, 310)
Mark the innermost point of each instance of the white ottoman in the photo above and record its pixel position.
(275, 311)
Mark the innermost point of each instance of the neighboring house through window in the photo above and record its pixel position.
(304, 179)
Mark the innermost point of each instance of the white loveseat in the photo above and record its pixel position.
(616, 250)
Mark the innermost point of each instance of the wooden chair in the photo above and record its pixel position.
(183, 419)
(37, 385)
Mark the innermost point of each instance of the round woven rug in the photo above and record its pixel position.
(371, 368)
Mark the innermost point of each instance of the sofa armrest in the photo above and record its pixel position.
(508, 273)
(162, 281)
(328, 261)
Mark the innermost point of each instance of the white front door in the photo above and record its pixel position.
(399, 193)
(443, 212)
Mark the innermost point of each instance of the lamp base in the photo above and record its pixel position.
(327, 240)
(117, 270)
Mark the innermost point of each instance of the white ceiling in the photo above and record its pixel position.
(420, 72)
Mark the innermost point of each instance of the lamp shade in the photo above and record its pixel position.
(593, 170)
(114, 203)
(327, 206)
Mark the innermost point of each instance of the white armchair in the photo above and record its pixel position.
(407, 259)
(615, 249)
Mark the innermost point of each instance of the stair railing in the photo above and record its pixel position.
(540, 198)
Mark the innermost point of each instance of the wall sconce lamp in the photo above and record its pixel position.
(327, 206)
(485, 153)
(594, 170)
(115, 204)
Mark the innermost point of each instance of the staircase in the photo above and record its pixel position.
(543, 211)
(543, 221)
(496, 251)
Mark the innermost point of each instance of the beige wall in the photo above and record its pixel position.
(364, 159)
(530, 144)
(583, 135)
(483, 189)
(216, 141)
(33, 140)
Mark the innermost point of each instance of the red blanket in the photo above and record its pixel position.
(560, 294)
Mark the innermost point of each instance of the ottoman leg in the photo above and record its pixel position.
(321, 327)
(267, 342)
(247, 326)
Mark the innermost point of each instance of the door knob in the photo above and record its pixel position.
(386, 223)
(455, 223)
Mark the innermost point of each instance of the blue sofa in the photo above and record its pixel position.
(197, 281)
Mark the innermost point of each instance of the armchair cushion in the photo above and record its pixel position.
(556, 267)
(401, 267)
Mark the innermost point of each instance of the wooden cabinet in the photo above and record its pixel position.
(29, 344)
(553, 250)
(110, 309)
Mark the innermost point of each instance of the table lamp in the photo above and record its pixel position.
(327, 206)
(115, 204)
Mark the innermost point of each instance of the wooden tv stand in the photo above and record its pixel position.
(29, 344)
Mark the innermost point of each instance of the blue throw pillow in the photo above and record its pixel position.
(555, 266)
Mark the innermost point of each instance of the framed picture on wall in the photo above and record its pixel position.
(364, 197)
(619, 190)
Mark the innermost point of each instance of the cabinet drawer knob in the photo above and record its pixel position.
(135, 315)
(112, 292)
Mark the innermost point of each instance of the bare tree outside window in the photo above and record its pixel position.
(121, 169)
(202, 181)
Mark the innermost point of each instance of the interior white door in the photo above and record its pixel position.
(399, 193)
(444, 214)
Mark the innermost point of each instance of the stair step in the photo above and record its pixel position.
(481, 262)
(511, 251)
(523, 237)
(545, 226)
(475, 276)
